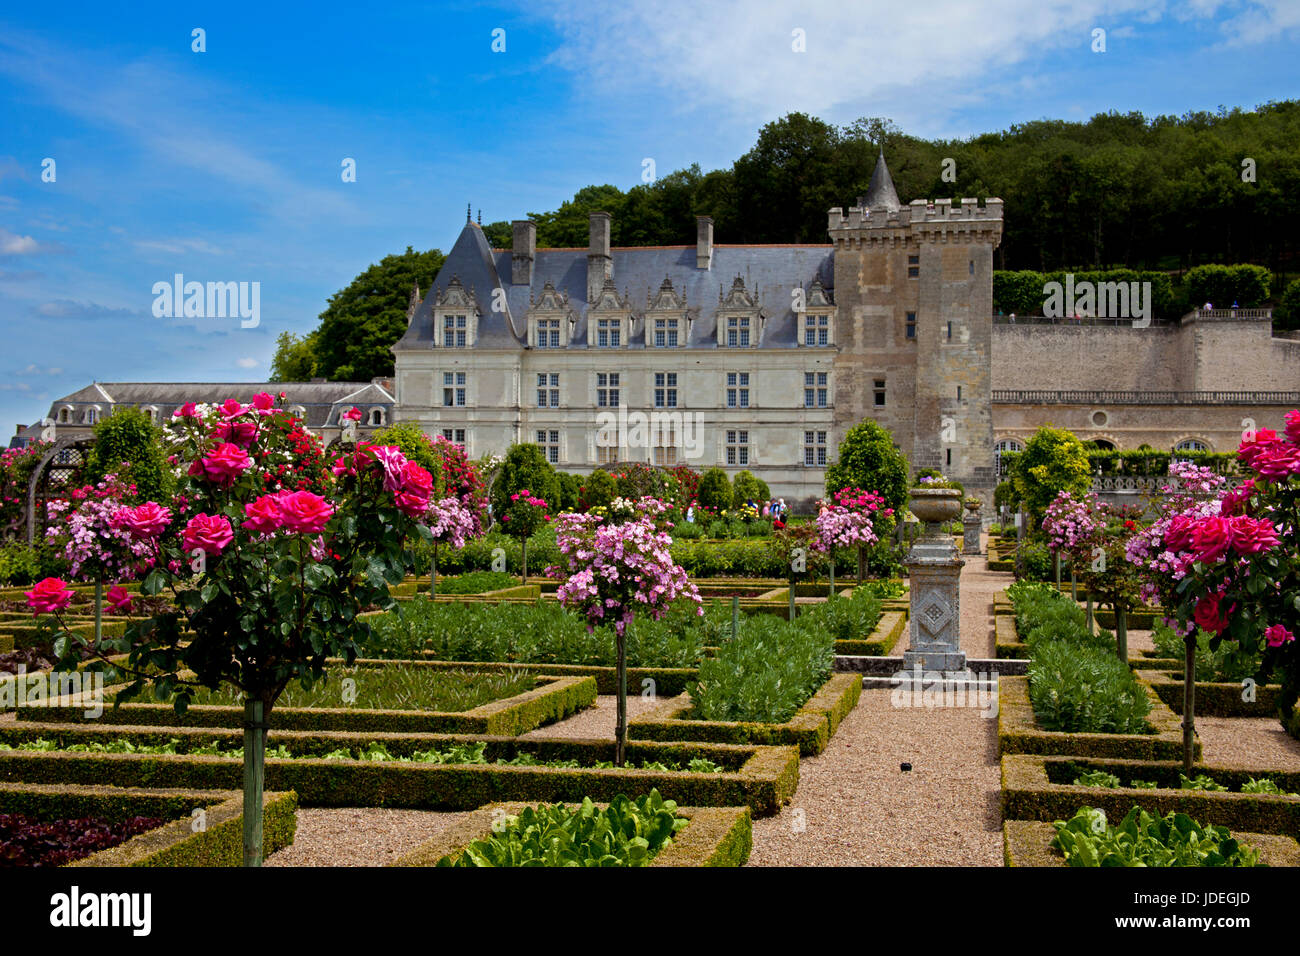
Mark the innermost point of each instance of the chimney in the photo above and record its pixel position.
(703, 242)
(600, 266)
(525, 249)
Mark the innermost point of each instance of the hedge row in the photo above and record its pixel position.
(1019, 733)
(6, 643)
(219, 843)
(762, 778)
(1040, 788)
(1006, 638)
(553, 699)
(1213, 699)
(70, 802)
(716, 836)
(888, 632)
(667, 681)
(31, 635)
(810, 729)
(1029, 843)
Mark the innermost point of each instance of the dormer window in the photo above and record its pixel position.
(550, 319)
(152, 412)
(816, 329)
(739, 317)
(666, 333)
(738, 331)
(667, 321)
(609, 333)
(455, 313)
(548, 333)
(65, 415)
(92, 415)
(376, 417)
(816, 323)
(298, 412)
(609, 320)
(454, 329)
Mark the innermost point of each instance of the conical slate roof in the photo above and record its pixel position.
(881, 192)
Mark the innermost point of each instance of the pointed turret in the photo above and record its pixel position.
(414, 303)
(881, 191)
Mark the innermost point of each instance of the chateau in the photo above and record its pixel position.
(757, 357)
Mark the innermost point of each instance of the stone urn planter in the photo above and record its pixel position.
(935, 506)
(973, 505)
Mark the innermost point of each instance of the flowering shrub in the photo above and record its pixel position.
(1073, 524)
(84, 529)
(849, 522)
(17, 465)
(524, 514)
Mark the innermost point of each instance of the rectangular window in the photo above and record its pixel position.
(911, 325)
(665, 448)
(738, 331)
(738, 390)
(549, 440)
(959, 393)
(548, 333)
(548, 390)
(608, 333)
(816, 330)
(454, 435)
(816, 389)
(665, 333)
(606, 455)
(814, 449)
(453, 332)
(950, 331)
(454, 386)
(913, 266)
(949, 458)
(737, 447)
(879, 391)
(607, 389)
(665, 389)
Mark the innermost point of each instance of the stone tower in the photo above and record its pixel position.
(914, 289)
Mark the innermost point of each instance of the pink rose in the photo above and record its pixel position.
(1178, 535)
(416, 480)
(391, 459)
(1277, 635)
(305, 513)
(413, 506)
(263, 402)
(1263, 439)
(144, 522)
(1234, 502)
(1211, 538)
(1207, 616)
(188, 410)
(232, 408)
(1278, 461)
(119, 599)
(341, 467)
(353, 414)
(263, 515)
(1252, 535)
(242, 434)
(1293, 425)
(211, 534)
(48, 596)
(225, 464)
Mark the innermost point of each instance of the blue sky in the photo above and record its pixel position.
(224, 165)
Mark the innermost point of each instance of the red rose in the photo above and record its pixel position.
(48, 596)
(211, 534)
(1252, 535)
(1211, 538)
(263, 515)
(119, 599)
(1207, 616)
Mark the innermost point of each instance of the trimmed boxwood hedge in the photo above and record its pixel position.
(667, 680)
(890, 629)
(6, 643)
(1213, 699)
(810, 729)
(1007, 638)
(29, 635)
(71, 801)
(219, 843)
(1040, 788)
(1029, 843)
(762, 778)
(1019, 733)
(717, 836)
(553, 699)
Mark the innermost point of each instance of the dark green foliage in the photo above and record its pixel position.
(747, 488)
(360, 324)
(525, 468)
(1022, 292)
(1142, 840)
(626, 833)
(845, 619)
(715, 492)
(476, 582)
(129, 436)
(295, 358)
(766, 674)
(1230, 662)
(1053, 461)
(1005, 495)
(1221, 286)
(1287, 315)
(569, 496)
(869, 459)
(413, 442)
(598, 490)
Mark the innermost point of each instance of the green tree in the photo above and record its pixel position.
(869, 459)
(746, 488)
(1288, 313)
(128, 435)
(598, 490)
(714, 492)
(1054, 460)
(414, 443)
(295, 358)
(568, 491)
(525, 467)
(362, 322)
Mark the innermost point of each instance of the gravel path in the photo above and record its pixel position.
(855, 807)
(351, 836)
(1255, 743)
(596, 721)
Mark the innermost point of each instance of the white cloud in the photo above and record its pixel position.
(12, 244)
(248, 363)
(873, 58)
(37, 370)
(177, 246)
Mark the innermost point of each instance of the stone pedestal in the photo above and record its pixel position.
(934, 569)
(972, 523)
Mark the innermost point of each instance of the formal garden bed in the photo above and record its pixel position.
(711, 837)
(1044, 788)
(1029, 843)
(390, 697)
(1214, 699)
(417, 771)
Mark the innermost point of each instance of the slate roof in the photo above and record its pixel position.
(770, 271)
(881, 191)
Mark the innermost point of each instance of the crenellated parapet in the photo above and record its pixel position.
(940, 221)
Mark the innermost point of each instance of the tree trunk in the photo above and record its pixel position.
(1090, 619)
(1074, 586)
(735, 616)
(620, 727)
(1121, 632)
(254, 778)
(433, 573)
(1058, 571)
(99, 612)
(523, 560)
(831, 592)
(790, 616)
(1189, 702)
(862, 564)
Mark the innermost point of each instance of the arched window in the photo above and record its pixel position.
(297, 411)
(92, 415)
(65, 415)
(1006, 444)
(152, 412)
(1104, 444)
(1192, 444)
(376, 416)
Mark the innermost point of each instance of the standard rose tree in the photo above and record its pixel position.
(268, 579)
(523, 516)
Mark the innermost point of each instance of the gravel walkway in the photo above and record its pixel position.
(855, 807)
(359, 836)
(1255, 743)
